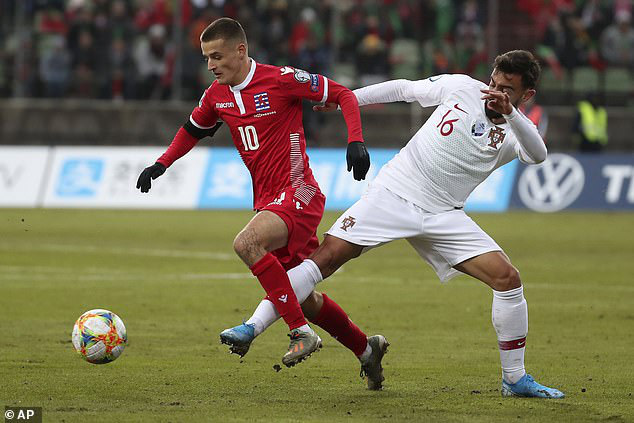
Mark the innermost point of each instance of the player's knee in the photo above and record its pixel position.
(507, 279)
(245, 245)
(238, 244)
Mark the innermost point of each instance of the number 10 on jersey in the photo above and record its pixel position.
(249, 137)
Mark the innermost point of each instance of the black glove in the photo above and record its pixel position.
(358, 159)
(153, 172)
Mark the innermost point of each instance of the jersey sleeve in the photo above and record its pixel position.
(428, 92)
(298, 83)
(204, 115)
(530, 148)
(434, 90)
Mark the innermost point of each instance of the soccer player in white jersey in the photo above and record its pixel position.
(420, 193)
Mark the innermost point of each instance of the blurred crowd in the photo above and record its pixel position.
(127, 49)
(596, 33)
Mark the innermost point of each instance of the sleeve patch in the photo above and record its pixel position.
(314, 82)
(302, 76)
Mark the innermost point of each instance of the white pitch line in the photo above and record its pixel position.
(196, 276)
(137, 251)
(43, 273)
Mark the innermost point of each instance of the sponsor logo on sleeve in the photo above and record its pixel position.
(314, 82)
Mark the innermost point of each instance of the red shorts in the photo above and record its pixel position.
(301, 209)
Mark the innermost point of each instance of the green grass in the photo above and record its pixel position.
(443, 364)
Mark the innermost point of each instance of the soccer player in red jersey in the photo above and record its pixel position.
(261, 105)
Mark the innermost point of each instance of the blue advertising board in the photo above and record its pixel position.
(227, 184)
(577, 181)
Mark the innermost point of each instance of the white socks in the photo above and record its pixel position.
(303, 280)
(509, 315)
(366, 354)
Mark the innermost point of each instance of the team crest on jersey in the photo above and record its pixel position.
(261, 102)
(496, 136)
(478, 128)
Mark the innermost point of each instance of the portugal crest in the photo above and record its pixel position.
(496, 136)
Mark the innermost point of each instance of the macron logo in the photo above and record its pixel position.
(283, 298)
(227, 105)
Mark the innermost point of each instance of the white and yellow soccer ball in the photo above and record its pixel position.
(99, 336)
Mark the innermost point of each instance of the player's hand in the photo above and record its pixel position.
(498, 101)
(144, 183)
(326, 107)
(358, 159)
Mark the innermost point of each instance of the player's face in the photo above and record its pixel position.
(511, 84)
(226, 59)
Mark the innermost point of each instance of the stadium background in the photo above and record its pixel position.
(92, 91)
(127, 73)
(141, 59)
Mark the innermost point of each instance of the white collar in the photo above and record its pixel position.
(246, 81)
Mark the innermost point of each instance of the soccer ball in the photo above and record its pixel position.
(99, 336)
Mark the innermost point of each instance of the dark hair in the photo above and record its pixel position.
(225, 29)
(519, 62)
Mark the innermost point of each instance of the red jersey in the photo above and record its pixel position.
(264, 115)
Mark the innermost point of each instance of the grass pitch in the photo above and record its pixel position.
(174, 280)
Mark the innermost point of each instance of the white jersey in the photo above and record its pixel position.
(456, 149)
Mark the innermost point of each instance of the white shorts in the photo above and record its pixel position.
(442, 239)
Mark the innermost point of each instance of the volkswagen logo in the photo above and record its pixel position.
(552, 185)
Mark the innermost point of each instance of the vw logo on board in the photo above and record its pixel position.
(552, 185)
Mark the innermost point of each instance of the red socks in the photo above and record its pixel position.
(275, 282)
(336, 322)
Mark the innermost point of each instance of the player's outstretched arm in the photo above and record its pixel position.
(386, 92)
(184, 140)
(357, 157)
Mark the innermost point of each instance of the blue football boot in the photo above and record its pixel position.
(527, 387)
(238, 338)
